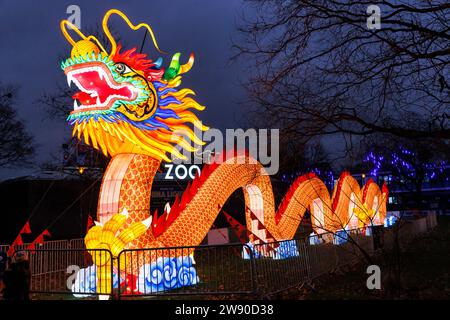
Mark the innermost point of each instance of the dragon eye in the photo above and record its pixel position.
(122, 68)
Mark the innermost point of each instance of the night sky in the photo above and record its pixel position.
(32, 45)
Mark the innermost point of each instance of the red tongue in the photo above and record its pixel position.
(84, 98)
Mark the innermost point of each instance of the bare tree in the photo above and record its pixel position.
(16, 145)
(317, 69)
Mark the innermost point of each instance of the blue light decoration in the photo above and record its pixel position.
(390, 221)
(285, 249)
(162, 275)
(340, 237)
(314, 239)
(86, 282)
(326, 175)
(376, 161)
(167, 274)
(403, 161)
(246, 254)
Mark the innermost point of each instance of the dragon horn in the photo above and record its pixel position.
(158, 63)
(187, 66)
(175, 69)
(175, 63)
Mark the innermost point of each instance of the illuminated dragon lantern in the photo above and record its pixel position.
(131, 108)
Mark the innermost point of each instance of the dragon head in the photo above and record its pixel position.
(127, 103)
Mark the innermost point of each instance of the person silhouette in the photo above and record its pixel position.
(17, 278)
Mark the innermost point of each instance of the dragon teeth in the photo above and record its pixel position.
(75, 105)
(69, 79)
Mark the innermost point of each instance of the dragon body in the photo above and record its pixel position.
(132, 109)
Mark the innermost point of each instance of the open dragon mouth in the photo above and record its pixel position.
(98, 89)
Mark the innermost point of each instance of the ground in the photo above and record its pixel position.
(425, 274)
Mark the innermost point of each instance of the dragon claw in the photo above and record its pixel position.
(105, 242)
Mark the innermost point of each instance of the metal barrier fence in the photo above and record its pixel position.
(56, 271)
(259, 269)
(304, 262)
(274, 272)
(405, 231)
(77, 244)
(217, 269)
(53, 244)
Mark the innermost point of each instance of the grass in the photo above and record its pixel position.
(425, 274)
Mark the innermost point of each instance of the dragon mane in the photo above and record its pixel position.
(171, 124)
